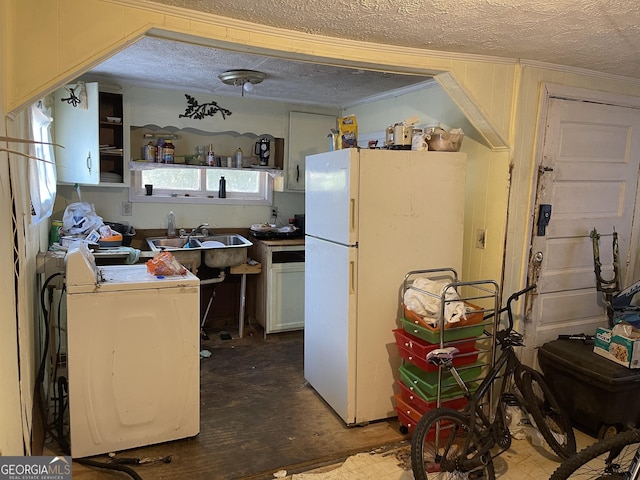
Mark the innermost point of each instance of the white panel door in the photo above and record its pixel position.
(589, 176)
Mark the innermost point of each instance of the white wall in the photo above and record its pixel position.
(160, 107)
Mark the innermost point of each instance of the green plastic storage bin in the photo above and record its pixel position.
(426, 384)
(433, 336)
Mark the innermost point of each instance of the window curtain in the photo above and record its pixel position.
(42, 173)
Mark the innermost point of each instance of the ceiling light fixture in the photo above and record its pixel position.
(244, 78)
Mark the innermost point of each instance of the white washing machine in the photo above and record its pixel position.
(133, 355)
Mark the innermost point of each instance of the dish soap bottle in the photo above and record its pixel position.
(171, 225)
(222, 188)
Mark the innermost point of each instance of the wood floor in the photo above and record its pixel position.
(257, 417)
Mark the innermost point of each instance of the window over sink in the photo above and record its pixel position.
(199, 185)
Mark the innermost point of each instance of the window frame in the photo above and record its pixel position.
(137, 193)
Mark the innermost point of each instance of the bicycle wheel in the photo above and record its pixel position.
(442, 448)
(552, 421)
(610, 458)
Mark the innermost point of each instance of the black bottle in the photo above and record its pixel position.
(222, 188)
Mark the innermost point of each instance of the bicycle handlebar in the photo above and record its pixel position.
(512, 298)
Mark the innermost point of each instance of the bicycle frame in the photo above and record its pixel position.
(506, 368)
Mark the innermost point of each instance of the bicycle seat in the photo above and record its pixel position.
(441, 356)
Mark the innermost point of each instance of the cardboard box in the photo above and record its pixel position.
(348, 131)
(617, 348)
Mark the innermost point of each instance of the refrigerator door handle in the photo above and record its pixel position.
(352, 214)
(352, 277)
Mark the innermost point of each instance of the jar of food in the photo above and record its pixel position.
(168, 152)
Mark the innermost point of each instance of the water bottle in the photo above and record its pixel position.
(222, 188)
(238, 156)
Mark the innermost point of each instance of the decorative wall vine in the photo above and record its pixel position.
(198, 112)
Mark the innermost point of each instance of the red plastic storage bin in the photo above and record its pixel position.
(415, 350)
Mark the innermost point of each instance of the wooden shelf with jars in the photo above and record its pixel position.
(111, 138)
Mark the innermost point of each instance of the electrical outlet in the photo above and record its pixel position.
(274, 212)
(127, 209)
(481, 238)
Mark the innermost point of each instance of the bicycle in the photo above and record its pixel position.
(448, 443)
(616, 457)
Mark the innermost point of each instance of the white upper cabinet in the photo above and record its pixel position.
(307, 135)
(76, 129)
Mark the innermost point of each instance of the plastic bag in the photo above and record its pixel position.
(80, 218)
(165, 264)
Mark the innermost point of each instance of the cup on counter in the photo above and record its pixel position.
(149, 188)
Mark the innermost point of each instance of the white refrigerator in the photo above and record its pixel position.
(371, 216)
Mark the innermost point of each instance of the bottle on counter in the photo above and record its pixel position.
(222, 188)
(171, 225)
(211, 159)
(238, 158)
(168, 152)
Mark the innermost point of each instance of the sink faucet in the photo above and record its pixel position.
(200, 229)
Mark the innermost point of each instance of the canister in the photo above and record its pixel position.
(149, 152)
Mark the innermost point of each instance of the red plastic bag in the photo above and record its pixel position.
(165, 264)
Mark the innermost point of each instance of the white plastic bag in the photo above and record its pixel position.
(80, 218)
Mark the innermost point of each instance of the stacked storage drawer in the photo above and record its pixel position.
(419, 379)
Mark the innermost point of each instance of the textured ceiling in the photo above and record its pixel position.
(598, 35)
(159, 63)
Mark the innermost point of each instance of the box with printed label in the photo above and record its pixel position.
(617, 348)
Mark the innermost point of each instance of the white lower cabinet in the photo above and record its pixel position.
(280, 285)
(286, 302)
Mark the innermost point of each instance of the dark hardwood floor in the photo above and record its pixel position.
(258, 416)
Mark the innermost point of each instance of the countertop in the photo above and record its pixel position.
(275, 242)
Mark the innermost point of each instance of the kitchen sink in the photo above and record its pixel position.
(216, 251)
(166, 243)
(224, 250)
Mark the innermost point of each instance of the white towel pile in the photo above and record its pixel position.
(424, 298)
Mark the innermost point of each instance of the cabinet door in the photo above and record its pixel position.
(286, 299)
(307, 136)
(76, 129)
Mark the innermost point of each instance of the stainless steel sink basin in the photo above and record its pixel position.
(221, 251)
(216, 251)
(166, 243)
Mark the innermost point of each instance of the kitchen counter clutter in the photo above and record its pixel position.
(279, 297)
